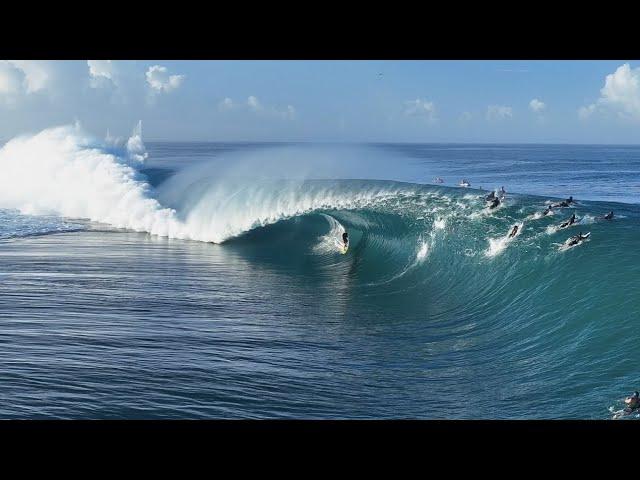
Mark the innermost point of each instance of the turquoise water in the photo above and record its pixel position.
(432, 313)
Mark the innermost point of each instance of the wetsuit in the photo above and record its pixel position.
(633, 405)
(564, 203)
(575, 240)
(571, 221)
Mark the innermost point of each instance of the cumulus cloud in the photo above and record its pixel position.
(101, 71)
(537, 106)
(23, 76)
(11, 79)
(419, 107)
(160, 80)
(254, 105)
(499, 112)
(620, 95)
(36, 74)
(586, 112)
(226, 104)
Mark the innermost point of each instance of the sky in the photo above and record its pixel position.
(582, 102)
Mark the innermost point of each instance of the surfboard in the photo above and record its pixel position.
(341, 246)
(575, 222)
(584, 237)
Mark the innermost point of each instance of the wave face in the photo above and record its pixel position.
(525, 307)
(516, 315)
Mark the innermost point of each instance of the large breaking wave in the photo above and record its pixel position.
(435, 253)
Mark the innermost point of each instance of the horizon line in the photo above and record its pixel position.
(380, 142)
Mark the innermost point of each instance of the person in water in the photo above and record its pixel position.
(495, 203)
(547, 211)
(514, 231)
(503, 192)
(569, 222)
(564, 203)
(609, 216)
(575, 240)
(345, 238)
(490, 197)
(633, 402)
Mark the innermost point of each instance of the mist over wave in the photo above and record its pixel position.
(430, 265)
(63, 171)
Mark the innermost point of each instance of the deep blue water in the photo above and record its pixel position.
(432, 313)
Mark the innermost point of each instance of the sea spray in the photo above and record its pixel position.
(62, 171)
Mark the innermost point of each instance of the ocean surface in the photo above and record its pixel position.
(205, 280)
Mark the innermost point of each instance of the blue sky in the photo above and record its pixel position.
(329, 101)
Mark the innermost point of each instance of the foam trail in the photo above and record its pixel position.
(539, 215)
(423, 251)
(565, 246)
(497, 245)
(332, 241)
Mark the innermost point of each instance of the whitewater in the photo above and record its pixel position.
(218, 266)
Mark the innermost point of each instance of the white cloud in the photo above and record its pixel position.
(23, 76)
(289, 112)
(160, 81)
(11, 78)
(499, 112)
(36, 74)
(254, 105)
(466, 116)
(419, 107)
(586, 112)
(537, 106)
(226, 104)
(101, 70)
(620, 94)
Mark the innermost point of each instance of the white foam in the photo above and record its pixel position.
(497, 245)
(539, 215)
(565, 246)
(439, 224)
(423, 251)
(332, 241)
(62, 171)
